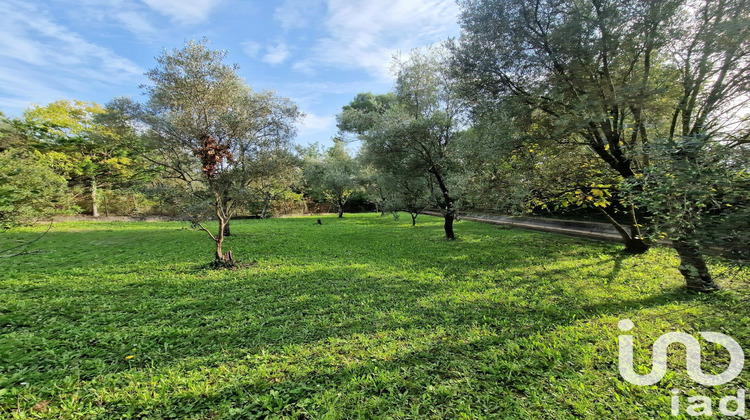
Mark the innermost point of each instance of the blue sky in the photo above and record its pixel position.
(319, 53)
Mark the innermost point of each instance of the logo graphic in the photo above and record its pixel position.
(693, 350)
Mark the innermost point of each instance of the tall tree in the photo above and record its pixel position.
(421, 128)
(602, 73)
(334, 176)
(208, 129)
(90, 149)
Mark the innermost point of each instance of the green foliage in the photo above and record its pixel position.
(699, 192)
(214, 135)
(12, 133)
(397, 183)
(29, 188)
(330, 322)
(637, 71)
(273, 173)
(334, 176)
(94, 147)
(413, 137)
(614, 76)
(252, 130)
(362, 112)
(520, 175)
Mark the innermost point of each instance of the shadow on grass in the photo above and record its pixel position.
(109, 295)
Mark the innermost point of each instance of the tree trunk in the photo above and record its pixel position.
(94, 208)
(633, 242)
(341, 208)
(222, 259)
(636, 245)
(225, 222)
(693, 267)
(414, 218)
(266, 203)
(448, 226)
(449, 211)
(219, 256)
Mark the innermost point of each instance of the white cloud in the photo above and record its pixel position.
(17, 47)
(297, 13)
(273, 54)
(316, 125)
(131, 15)
(276, 54)
(136, 23)
(364, 34)
(34, 48)
(251, 48)
(184, 11)
(304, 67)
(47, 43)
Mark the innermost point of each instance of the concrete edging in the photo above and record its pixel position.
(597, 231)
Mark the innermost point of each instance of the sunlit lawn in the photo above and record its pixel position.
(356, 318)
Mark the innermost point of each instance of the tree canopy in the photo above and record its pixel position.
(211, 131)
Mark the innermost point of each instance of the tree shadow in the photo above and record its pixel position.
(126, 295)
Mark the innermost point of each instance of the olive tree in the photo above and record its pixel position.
(420, 129)
(334, 176)
(613, 75)
(208, 130)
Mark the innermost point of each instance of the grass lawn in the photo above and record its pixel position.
(357, 318)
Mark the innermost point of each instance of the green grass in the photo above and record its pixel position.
(358, 318)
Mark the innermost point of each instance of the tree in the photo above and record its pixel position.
(527, 176)
(412, 194)
(29, 188)
(398, 182)
(274, 173)
(128, 187)
(12, 133)
(359, 115)
(87, 144)
(208, 130)
(373, 183)
(335, 176)
(700, 193)
(602, 73)
(420, 129)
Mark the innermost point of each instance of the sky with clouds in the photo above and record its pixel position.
(319, 53)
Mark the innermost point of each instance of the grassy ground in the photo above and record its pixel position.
(358, 318)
